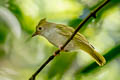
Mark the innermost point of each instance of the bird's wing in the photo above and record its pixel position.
(68, 31)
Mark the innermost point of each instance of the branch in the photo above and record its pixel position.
(92, 14)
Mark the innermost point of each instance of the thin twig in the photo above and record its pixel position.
(92, 14)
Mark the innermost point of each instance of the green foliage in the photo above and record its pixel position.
(61, 64)
(20, 59)
(3, 34)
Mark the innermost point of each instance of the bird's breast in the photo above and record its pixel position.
(55, 38)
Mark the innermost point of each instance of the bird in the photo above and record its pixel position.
(58, 34)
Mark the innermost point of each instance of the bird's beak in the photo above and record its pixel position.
(34, 34)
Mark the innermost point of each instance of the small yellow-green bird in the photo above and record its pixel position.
(57, 34)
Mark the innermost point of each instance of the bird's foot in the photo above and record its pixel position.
(65, 50)
(60, 47)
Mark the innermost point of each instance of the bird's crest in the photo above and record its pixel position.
(42, 21)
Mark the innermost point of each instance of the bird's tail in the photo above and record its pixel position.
(100, 60)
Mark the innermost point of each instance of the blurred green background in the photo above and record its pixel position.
(19, 58)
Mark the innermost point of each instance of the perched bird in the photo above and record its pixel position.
(57, 34)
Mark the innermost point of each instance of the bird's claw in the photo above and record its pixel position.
(60, 46)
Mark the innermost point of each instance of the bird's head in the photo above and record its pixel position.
(40, 28)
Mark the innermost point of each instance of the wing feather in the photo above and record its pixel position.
(68, 31)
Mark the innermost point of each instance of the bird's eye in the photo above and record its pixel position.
(40, 28)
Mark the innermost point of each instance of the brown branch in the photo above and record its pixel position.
(92, 14)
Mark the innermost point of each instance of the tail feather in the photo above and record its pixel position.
(100, 60)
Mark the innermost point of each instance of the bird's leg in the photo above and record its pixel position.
(60, 46)
(59, 49)
(65, 50)
(55, 54)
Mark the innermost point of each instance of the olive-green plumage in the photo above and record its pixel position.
(57, 34)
